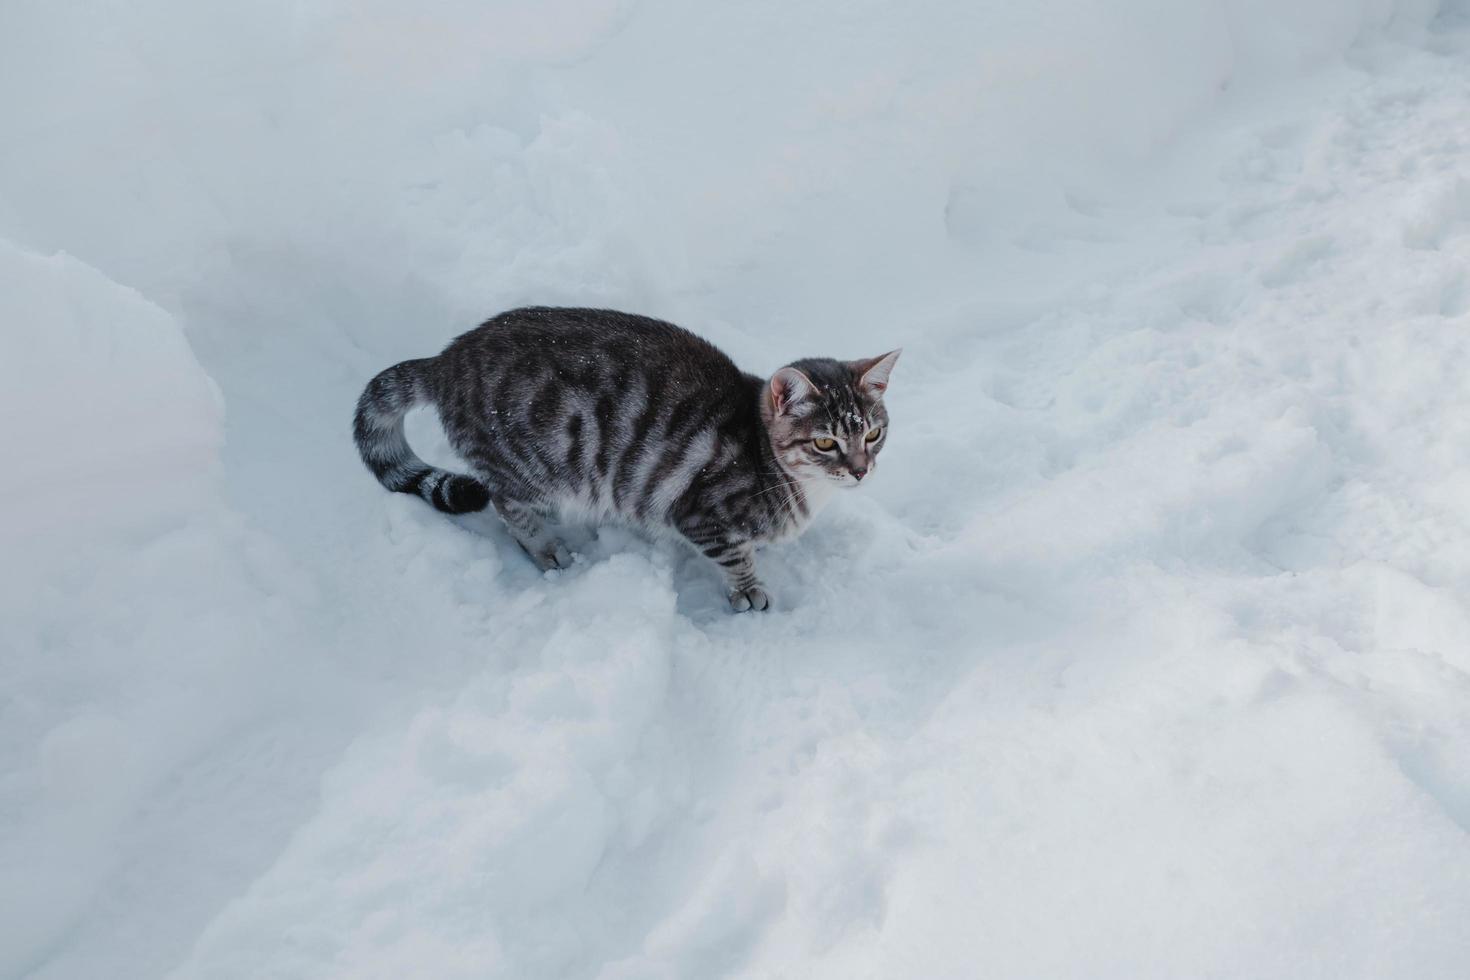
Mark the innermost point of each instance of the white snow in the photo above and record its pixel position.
(1144, 655)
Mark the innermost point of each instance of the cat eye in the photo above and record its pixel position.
(824, 444)
(873, 434)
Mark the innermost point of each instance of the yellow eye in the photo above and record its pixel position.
(825, 444)
(873, 435)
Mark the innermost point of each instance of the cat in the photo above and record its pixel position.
(604, 416)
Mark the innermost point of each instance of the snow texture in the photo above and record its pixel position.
(1144, 655)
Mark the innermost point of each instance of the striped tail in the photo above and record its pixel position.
(378, 430)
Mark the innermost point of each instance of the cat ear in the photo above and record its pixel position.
(872, 374)
(789, 387)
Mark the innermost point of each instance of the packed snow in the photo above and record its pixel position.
(1143, 655)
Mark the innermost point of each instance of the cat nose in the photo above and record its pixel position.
(859, 473)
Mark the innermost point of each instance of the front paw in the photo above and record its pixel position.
(753, 599)
(549, 557)
(556, 556)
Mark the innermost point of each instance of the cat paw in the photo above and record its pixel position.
(753, 599)
(558, 556)
(550, 557)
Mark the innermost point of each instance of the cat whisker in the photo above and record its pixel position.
(779, 486)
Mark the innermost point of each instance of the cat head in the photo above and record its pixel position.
(826, 419)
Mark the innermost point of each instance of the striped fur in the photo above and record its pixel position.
(604, 416)
(378, 431)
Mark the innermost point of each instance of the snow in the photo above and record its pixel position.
(1143, 655)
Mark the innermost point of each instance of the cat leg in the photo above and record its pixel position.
(736, 559)
(527, 524)
(744, 589)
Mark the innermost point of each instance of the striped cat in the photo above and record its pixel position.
(602, 416)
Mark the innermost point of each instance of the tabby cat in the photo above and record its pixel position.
(603, 416)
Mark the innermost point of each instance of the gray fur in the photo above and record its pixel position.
(606, 416)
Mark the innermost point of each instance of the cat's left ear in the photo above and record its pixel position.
(872, 374)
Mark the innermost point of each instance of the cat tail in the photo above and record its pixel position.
(378, 430)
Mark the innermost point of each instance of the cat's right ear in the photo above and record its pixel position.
(789, 388)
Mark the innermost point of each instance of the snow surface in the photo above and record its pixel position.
(1144, 656)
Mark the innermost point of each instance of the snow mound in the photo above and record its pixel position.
(114, 515)
(109, 390)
